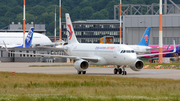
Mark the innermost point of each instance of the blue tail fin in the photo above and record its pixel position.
(28, 40)
(145, 39)
(29, 37)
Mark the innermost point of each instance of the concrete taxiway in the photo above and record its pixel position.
(145, 73)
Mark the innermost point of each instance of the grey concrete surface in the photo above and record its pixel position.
(101, 71)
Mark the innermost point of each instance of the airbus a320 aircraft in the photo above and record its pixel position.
(97, 54)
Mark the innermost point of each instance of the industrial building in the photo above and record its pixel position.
(39, 28)
(136, 18)
(135, 26)
(91, 31)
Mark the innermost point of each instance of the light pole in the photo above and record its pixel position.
(120, 23)
(59, 19)
(55, 25)
(24, 20)
(160, 33)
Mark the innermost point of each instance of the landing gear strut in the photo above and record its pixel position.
(83, 72)
(118, 69)
(124, 72)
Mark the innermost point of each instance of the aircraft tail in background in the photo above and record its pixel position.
(70, 31)
(28, 40)
(145, 39)
(29, 37)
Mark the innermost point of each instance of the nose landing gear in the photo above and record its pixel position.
(124, 72)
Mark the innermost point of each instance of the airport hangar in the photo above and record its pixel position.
(136, 18)
(135, 21)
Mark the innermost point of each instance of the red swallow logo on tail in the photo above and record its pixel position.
(70, 32)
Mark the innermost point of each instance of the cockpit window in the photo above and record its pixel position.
(127, 51)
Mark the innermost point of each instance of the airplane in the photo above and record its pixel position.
(16, 39)
(28, 40)
(84, 54)
(169, 48)
(143, 47)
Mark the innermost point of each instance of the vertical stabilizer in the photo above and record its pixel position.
(28, 40)
(70, 31)
(145, 39)
(29, 37)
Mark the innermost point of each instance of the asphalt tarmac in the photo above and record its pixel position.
(101, 71)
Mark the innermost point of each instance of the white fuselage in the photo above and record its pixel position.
(107, 54)
(140, 49)
(12, 38)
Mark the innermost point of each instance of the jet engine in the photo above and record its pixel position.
(81, 65)
(138, 65)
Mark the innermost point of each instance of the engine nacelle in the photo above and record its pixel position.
(138, 65)
(81, 65)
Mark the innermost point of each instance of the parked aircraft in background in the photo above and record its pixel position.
(84, 54)
(169, 48)
(143, 47)
(16, 38)
(28, 41)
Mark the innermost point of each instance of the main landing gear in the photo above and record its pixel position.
(83, 72)
(120, 71)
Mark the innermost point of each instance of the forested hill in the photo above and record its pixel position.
(42, 11)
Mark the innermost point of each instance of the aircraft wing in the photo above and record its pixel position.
(158, 48)
(92, 59)
(56, 47)
(164, 49)
(158, 53)
(53, 44)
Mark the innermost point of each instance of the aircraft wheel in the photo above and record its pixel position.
(115, 71)
(120, 71)
(79, 72)
(84, 72)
